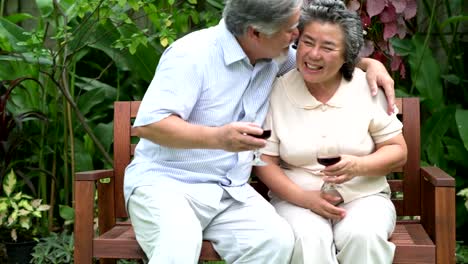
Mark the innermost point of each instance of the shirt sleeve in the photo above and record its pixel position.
(383, 126)
(273, 142)
(175, 88)
(289, 63)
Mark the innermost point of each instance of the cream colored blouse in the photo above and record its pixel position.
(352, 116)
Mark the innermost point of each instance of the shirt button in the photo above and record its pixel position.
(323, 108)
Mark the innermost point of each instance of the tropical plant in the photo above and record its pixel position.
(56, 248)
(436, 55)
(19, 213)
(426, 55)
(462, 253)
(85, 55)
(462, 250)
(383, 20)
(15, 139)
(464, 193)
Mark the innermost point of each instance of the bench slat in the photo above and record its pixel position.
(120, 242)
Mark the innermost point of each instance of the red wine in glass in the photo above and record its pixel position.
(328, 187)
(266, 134)
(328, 153)
(328, 161)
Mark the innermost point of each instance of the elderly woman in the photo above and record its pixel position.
(327, 99)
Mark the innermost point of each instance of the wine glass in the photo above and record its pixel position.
(328, 153)
(257, 161)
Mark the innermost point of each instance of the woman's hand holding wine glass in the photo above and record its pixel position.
(328, 153)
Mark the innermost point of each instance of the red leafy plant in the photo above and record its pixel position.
(14, 142)
(383, 20)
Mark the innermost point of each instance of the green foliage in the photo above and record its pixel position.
(461, 118)
(464, 193)
(54, 249)
(15, 137)
(19, 212)
(83, 56)
(129, 261)
(461, 253)
(436, 56)
(67, 213)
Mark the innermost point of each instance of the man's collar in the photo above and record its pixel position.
(232, 51)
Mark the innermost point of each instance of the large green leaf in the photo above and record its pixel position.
(19, 17)
(403, 47)
(142, 62)
(14, 67)
(216, 3)
(453, 19)
(27, 99)
(83, 159)
(433, 132)
(70, 9)
(89, 84)
(29, 60)
(9, 183)
(13, 33)
(145, 58)
(461, 116)
(90, 99)
(456, 150)
(435, 154)
(45, 6)
(425, 73)
(104, 132)
(425, 70)
(66, 212)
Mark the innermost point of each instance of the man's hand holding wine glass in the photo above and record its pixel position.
(240, 136)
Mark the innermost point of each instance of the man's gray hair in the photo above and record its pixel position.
(335, 12)
(265, 16)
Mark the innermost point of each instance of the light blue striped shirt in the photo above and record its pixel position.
(206, 79)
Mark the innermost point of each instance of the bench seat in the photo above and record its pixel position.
(413, 244)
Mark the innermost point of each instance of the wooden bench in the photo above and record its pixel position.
(425, 202)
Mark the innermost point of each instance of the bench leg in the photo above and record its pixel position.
(445, 229)
(438, 213)
(84, 233)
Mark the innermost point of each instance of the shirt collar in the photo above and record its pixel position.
(299, 95)
(232, 51)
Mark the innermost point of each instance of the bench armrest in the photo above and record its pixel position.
(437, 177)
(438, 211)
(94, 175)
(85, 184)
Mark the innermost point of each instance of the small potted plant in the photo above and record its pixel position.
(19, 219)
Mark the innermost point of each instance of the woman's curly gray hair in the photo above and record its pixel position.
(335, 12)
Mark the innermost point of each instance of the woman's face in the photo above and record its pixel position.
(320, 52)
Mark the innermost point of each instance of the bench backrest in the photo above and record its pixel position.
(406, 187)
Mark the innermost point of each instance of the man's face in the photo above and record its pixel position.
(320, 52)
(277, 45)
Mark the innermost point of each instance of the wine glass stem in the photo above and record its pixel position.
(257, 155)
